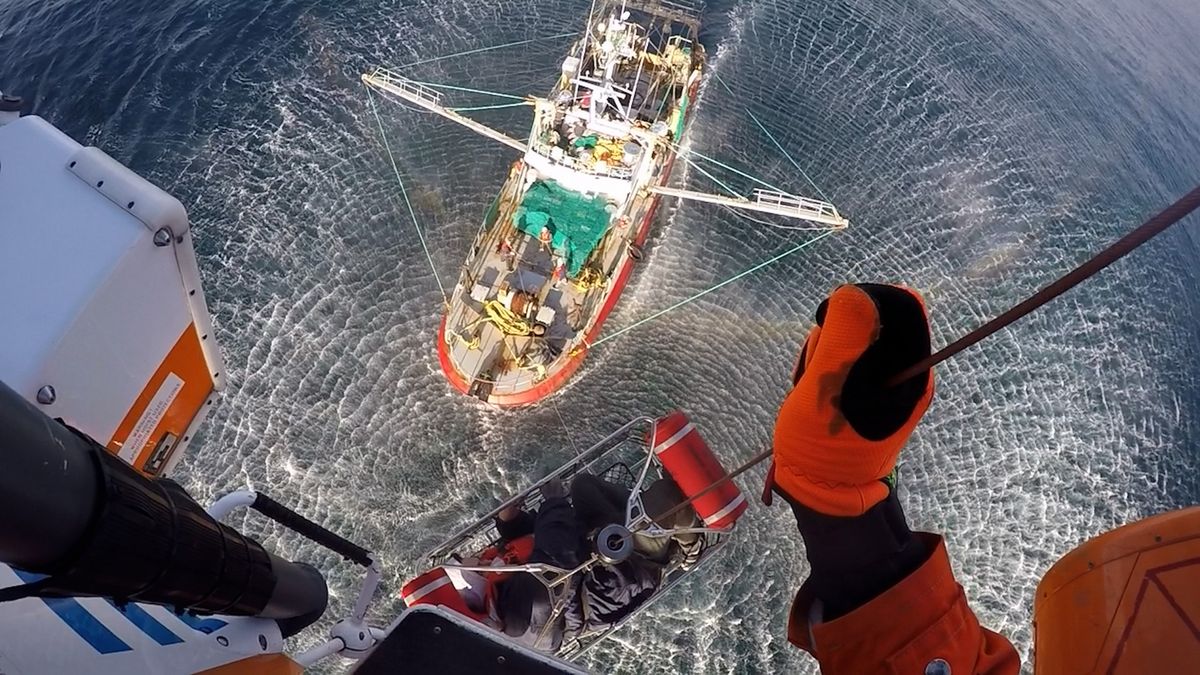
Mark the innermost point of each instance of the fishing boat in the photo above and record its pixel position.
(560, 241)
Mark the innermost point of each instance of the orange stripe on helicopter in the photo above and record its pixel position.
(262, 664)
(185, 368)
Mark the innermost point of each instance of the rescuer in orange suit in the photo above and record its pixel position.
(879, 598)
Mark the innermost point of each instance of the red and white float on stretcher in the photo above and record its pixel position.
(641, 454)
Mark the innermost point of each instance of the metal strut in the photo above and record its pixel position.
(773, 202)
(425, 97)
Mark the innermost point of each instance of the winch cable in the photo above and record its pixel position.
(1127, 244)
(770, 261)
(404, 193)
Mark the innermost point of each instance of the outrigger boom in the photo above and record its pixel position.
(430, 99)
(767, 201)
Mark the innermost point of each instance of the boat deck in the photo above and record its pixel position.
(493, 361)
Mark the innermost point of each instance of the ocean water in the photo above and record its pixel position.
(980, 148)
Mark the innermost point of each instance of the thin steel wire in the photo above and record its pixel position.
(404, 193)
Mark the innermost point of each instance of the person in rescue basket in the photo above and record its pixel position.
(879, 598)
(561, 533)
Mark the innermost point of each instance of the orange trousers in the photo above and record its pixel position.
(906, 630)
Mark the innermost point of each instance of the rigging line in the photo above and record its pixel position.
(492, 107)
(710, 176)
(485, 49)
(583, 45)
(788, 157)
(1124, 246)
(451, 87)
(566, 429)
(404, 192)
(770, 136)
(737, 171)
(684, 152)
(701, 294)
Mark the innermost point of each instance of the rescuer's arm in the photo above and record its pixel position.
(879, 597)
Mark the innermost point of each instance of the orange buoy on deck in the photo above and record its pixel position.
(1127, 601)
(692, 465)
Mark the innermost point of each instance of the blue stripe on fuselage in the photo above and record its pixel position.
(80, 620)
(208, 626)
(148, 624)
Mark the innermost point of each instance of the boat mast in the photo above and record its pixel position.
(637, 79)
(587, 34)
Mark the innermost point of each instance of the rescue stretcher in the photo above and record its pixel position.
(634, 457)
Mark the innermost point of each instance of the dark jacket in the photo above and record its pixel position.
(596, 599)
(606, 595)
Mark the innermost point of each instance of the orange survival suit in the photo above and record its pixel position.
(879, 597)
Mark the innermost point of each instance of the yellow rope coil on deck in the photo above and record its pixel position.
(505, 319)
(471, 344)
(587, 279)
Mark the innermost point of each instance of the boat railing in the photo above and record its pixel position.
(414, 89)
(574, 163)
(801, 205)
(683, 11)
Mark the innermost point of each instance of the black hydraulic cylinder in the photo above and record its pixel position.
(48, 487)
(301, 525)
(71, 510)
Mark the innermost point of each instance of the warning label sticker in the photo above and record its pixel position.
(151, 416)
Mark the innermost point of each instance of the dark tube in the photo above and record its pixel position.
(301, 525)
(48, 487)
(104, 529)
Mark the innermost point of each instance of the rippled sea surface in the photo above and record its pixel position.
(980, 149)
